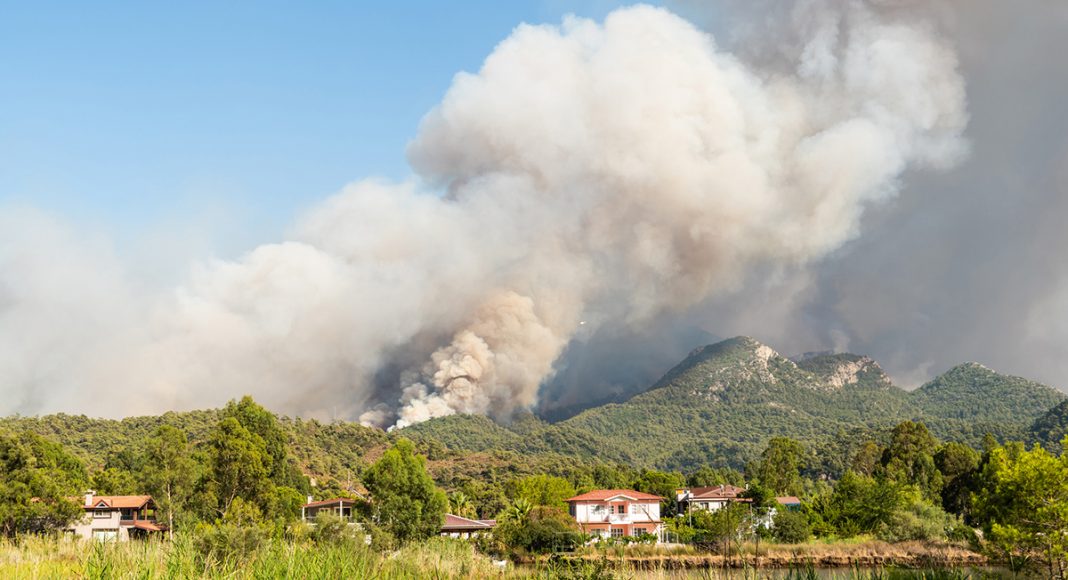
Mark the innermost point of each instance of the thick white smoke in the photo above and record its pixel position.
(591, 172)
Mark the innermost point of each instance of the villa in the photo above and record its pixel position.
(617, 512)
(116, 517)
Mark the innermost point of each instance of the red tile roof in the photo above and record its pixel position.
(605, 494)
(716, 492)
(147, 526)
(788, 500)
(457, 523)
(115, 501)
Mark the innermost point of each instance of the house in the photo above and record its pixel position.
(709, 498)
(458, 527)
(789, 503)
(617, 512)
(116, 517)
(341, 507)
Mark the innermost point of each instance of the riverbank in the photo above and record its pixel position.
(866, 554)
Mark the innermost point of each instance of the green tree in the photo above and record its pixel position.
(114, 481)
(910, 459)
(239, 467)
(958, 465)
(868, 459)
(707, 476)
(537, 529)
(37, 480)
(663, 484)
(282, 470)
(542, 489)
(460, 505)
(169, 471)
(780, 466)
(791, 527)
(859, 504)
(1023, 505)
(404, 499)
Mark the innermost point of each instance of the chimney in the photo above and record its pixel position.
(310, 499)
(89, 498)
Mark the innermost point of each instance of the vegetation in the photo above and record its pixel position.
(866, 459)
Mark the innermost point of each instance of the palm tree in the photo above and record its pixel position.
(460, 505)
(519, 510)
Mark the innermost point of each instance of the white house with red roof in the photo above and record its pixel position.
(116, 517)
(709, 498)
(617, 512)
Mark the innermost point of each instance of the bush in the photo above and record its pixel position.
(230, 542)
(543, 530)
(791, 527)
(918, 521)
(332, 529)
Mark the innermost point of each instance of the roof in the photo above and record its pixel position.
(457, 523)
(147, 526)
(344, 501)
(716, 492)
(788, 500)
(114, 501)
(606, 494)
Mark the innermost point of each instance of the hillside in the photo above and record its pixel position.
(1051, 428)
(719, 406)
(723, 402)
(970, 400)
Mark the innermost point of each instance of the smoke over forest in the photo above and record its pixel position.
(638, 182)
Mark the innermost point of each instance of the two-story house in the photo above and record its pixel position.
(116, 517)
(617, 512)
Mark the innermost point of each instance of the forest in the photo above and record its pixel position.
(229, 485)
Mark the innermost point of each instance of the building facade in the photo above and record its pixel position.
(116, 517)
(617, 512)
(340, 507)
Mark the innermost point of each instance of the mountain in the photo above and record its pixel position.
(724, 401)
(971, 400)
(718, 406)
(1051, 428)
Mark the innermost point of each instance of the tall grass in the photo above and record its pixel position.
(436, 559)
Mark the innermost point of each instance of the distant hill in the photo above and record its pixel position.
(718, 406)
(970, 400)
(1050, 429)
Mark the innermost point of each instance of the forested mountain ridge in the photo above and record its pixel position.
(719, 406)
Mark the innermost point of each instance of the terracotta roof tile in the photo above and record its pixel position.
(604, 494)
(115, 501)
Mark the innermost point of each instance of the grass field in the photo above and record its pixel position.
(438, 558)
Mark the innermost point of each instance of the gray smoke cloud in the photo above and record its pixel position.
(966, 264)
(597, 178)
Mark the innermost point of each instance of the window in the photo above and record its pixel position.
(127, 514)
(105, 535)
(617, 532)
(101, 515)
(571, 509)
(638, 531)
(598, 509)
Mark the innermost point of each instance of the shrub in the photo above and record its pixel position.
(791, 527)
(918, 521)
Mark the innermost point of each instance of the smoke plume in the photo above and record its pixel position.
(590, 175)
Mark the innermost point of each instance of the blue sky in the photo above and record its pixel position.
(126, 115)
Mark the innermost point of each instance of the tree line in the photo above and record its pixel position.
(241, 483)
